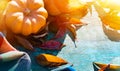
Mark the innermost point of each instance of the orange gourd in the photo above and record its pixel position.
(3, 4)
(55, 7)
(25, 16)
(71, 7)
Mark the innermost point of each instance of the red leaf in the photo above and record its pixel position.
(61, 32)
(52, 45)
(105, 68)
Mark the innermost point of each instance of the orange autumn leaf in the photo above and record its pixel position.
(50, 60)
(111, 67)
(105, 68)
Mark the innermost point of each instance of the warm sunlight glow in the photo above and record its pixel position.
(74, 4)
(112, 4)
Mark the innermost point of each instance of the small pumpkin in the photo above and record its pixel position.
(3, 4)
(25, 16)
(71, 7)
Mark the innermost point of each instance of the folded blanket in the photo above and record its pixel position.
(20, 64)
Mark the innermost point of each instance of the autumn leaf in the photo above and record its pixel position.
(49, 60)
(25, 43)
(72, 30)
(60, 33)
(105, 68)
(52, 45)
(72, 34)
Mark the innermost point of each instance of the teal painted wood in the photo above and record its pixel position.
(92, 46)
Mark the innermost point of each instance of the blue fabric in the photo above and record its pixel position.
(68, 69)
(21, 64)
(24, 63)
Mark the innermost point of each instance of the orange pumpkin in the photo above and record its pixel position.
(54, 7)
(3, 4)
(25, 16)
(72, 7)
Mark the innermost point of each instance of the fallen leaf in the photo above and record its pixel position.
(25, 43)
(52, 45)
(60, 33)
(50, 60)
(105, 68)
(72, 30)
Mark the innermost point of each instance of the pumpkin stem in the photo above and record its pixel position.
(27, 12)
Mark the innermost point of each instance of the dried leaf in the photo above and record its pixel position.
(98, 66)
(52, 45)
(60, 33)
(72, 34)
(72, 30)
(105, 68)
(50, 60)
(25, 43)
(77, 23)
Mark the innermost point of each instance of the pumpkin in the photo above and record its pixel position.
(25, 16)
(3, 4)
(71, 7)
